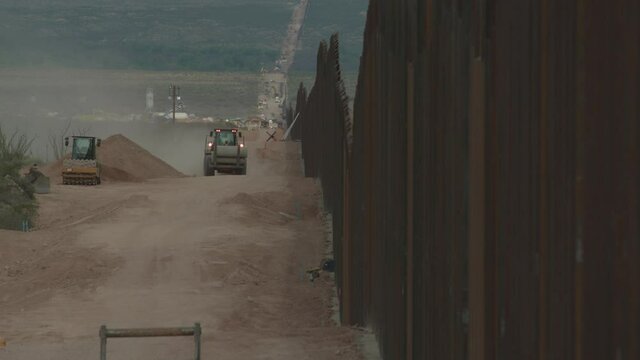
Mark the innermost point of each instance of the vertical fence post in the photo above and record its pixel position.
(103, 342)
(409, 203)
(197, 333)
(579, 176)
(543, 224)
(478, 319)
(347, 245)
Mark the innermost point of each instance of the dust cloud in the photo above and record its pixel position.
(179, 145)
(43, 103)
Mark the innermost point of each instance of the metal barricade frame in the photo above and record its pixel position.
(105, 333)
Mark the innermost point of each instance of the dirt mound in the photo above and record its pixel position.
(118, 152)
(123, 160)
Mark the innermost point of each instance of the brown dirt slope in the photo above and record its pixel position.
(123, 160)
(118, 152)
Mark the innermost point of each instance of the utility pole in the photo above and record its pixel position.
(174, 95)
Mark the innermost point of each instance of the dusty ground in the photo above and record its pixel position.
(226, 251)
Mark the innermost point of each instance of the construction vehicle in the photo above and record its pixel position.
(39, 181)
(82, 167)
(225, 152)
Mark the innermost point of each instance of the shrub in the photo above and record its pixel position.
(17, 202)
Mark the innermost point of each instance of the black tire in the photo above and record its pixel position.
(207, 170)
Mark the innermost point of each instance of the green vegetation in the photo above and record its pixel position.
(213, 35)
(17, 202)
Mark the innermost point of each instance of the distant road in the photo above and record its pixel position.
(291, 41)
(274, 92)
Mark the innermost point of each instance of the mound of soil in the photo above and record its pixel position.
(123, 160)
(118, 152)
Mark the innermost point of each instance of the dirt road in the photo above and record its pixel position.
(292, 40)
(274, 93)
(226, 251)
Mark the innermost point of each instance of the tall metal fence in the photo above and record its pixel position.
(485, 190)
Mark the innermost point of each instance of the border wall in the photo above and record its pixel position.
(484, 189)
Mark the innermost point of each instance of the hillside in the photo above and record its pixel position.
(213, 35)
(347, 17)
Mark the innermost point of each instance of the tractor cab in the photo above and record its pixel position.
(225, 151)
(83, 147)
(82, 167)
(226, 137)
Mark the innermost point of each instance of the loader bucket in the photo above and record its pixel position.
(38, 180)
(41, 185)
